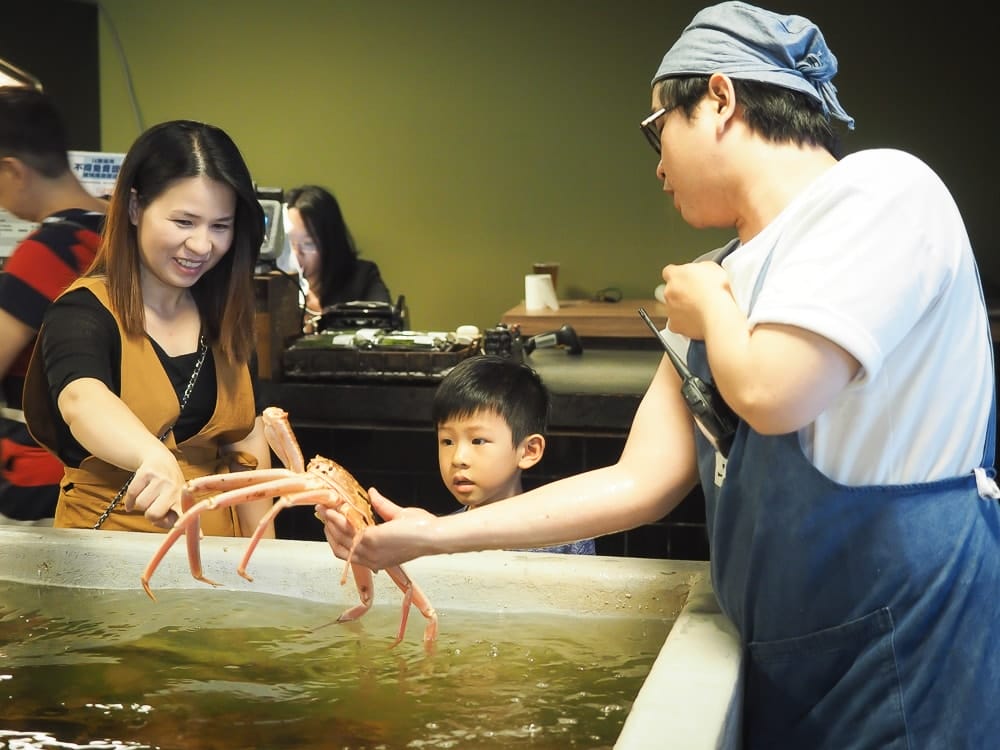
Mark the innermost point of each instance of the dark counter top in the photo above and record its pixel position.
(596, 391)
(382, 432)
(596, 371)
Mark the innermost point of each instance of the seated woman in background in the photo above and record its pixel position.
(325, 251)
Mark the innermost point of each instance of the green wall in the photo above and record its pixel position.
(467, 139)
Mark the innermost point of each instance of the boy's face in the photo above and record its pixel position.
(478, 460)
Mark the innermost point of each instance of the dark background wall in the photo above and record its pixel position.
(466, 140)
(57, 42)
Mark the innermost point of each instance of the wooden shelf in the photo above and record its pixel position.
(590, 319)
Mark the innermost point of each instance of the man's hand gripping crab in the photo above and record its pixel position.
(322, 482)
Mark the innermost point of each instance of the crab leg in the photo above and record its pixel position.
(188, 521)
(308, 497)
(323, 482)
(282, 440)
(199, 485)
(366, 591)
(236, 480)
(362, 575)
(193, 546)
(413, 595)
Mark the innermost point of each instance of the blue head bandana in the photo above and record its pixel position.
(747, 42)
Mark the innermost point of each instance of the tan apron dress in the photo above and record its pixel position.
(86, 492)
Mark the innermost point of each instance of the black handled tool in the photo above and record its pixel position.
(565, 337)
(710, 411)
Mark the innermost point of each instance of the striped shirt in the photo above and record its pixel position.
(43, 264)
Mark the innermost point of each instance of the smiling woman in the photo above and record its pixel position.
(185, 232)
(143, 375)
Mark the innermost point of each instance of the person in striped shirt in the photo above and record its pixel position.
(36, 185)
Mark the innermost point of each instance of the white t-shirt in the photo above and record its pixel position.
(874, 256)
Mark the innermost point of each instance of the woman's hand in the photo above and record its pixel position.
(109, 430)
(156, 489)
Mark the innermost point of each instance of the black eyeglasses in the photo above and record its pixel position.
(649, 129)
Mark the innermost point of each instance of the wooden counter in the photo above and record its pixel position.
(592, 320)
(278, 320)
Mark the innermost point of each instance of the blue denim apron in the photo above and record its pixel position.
(870, 615)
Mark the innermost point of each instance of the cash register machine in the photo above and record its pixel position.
(274, 235)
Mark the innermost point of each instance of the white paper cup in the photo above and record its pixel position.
(539, 293)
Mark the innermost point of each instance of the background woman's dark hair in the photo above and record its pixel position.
(337, 253)
(495, 384)
(778, 114)
(225, 295)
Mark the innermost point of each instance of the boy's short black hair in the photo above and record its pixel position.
(494, 384)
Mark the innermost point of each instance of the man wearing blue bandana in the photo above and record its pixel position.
(853, 517)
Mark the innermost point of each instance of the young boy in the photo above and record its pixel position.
(491, 413)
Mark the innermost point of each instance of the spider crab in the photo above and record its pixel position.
(322, 482)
